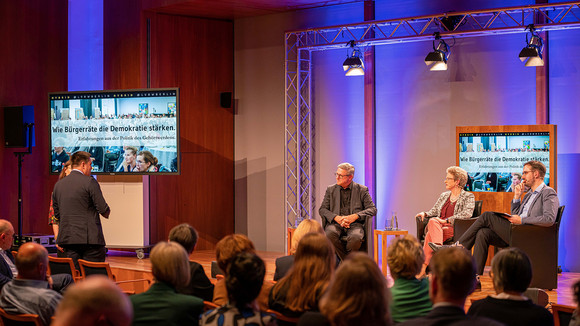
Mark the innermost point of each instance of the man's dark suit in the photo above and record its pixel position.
(60, 281)
(493, 229)
(199, 285)
(361, 204)
(78, 202)
(450, 315)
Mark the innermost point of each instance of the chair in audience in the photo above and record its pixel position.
(562, 314)
(103, 268)
(458, 227)
(19, 319)
(63, 266)
(538, 296)
(540, 243)
(367, 240)
(285, 319)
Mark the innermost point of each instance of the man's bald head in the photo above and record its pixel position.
(31, 261)
(94, 301)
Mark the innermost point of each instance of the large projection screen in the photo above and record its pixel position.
(492, 155)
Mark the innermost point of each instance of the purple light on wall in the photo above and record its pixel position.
(85, 45)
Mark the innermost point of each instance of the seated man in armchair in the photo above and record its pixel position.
(345, 207)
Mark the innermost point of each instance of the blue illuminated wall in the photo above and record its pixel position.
(85, 45)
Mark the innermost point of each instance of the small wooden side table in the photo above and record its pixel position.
(384, 234)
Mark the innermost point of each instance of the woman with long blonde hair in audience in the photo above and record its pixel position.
(357, 295)
(283, 264)
(300, 290)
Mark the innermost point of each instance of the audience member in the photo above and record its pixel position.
(575, 321)
(29, 292)
(161, 304)
(455, 203)
(146, 162)
(244, 279)
(357, 295)
(300, 290)
(226, 249)
(8, 269)
(410, 295)
(52, 221)
(199, 285)
(452, 280)
(129, 163)
(283, 264)
(96, 301)
(511, 273)
(346, 206)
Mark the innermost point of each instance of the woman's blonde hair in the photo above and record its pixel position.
(306, 226)
(358, 294)
(405, 257)
(458, 174)
(170, 264)
(310, 274)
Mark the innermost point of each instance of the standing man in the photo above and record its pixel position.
(538, 207)
(345, 207)
(78, 201)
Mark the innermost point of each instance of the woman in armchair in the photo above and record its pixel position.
(455, 203)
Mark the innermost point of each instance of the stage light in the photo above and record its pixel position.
(353, 65)
(438, 58)
(532, 52)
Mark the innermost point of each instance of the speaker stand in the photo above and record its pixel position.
(20, 155)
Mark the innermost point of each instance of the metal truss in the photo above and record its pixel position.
(299, 162)
(500, 21)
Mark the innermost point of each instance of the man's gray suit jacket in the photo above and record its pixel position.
(361, 202)
(78, 202)
(543, 210)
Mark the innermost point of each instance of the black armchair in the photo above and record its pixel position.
(458, 227)
(540, 243)
(368, 227)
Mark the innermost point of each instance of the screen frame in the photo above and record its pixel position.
(118, 91)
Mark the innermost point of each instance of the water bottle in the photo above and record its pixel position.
(396, 226)
(392, 221)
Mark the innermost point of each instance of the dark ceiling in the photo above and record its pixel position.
(234, 9)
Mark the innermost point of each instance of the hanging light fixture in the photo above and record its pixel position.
(353, 65)
(438, 58)
(532, 52)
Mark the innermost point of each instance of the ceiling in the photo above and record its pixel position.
(234, 9)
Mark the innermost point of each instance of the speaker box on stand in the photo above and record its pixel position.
(15, 120)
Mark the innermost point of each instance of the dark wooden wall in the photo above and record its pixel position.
(33, 62)
(195, 55)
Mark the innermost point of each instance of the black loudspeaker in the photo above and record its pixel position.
(226, 100)
(15, 132)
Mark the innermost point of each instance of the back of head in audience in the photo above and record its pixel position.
(94, 301)
(170, 264)
(244, 279)
(309, 277)
(358, 294)
(452, 275)
(511, 271)
(405, 257)
(306, 226)
(185, 235)
(231, 245)
(31, 261)
(576, 292)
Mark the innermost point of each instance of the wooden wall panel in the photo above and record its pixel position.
(195, 55)
(33, 62)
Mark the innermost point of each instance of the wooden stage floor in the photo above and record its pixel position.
(126, 266)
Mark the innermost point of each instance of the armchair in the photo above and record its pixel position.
(459, 227)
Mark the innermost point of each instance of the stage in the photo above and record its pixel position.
(127, 266)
